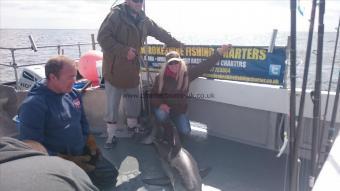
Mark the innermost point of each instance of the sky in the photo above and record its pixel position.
(205, 16)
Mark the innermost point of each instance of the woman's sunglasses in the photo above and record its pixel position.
(138, 1)
(173, 62)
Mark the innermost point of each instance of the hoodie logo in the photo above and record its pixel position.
(76, 103)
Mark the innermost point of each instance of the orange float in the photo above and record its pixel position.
(88, 64)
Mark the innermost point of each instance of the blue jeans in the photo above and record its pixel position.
(181, 120)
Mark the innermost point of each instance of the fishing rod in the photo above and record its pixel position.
(333, 132)
(332, 129)
(292, 162)
(145, 96)
(299, 129)
(329, 89)
(146, 55)
(316, 101)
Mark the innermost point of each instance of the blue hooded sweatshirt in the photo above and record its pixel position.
(56, 120)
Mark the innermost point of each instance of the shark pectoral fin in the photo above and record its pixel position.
(162, 181)
(204, 171)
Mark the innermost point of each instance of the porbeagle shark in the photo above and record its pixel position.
(179, 165)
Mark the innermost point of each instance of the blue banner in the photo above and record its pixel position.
(242, 63)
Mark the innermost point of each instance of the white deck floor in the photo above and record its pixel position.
(235, 166)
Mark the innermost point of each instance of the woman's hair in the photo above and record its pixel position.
(181, 75)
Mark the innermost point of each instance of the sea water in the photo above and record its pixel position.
(17, 38)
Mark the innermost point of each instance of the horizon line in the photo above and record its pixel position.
(1, 28)
(13, 28)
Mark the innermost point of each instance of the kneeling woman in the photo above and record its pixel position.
(169, 92)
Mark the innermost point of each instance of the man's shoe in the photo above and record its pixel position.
(109, 145)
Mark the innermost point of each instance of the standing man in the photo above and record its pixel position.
(121, 36)
(53, 115)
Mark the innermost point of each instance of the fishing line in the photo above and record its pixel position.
(114, 4)
(300, 9)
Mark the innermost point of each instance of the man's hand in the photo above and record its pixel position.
(81, 161)
(131, 54)
(91, 145)
(165, 108)
(224, 49)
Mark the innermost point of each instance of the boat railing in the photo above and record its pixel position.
(60, 51)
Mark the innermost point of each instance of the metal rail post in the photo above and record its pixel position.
(14, 65)
(93, 42)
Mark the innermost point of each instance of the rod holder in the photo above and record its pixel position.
(93, 42)
(272, 41)
(33, 46)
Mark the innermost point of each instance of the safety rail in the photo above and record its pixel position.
(35, 48)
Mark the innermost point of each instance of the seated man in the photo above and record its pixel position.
(26, 166)
(53, 115)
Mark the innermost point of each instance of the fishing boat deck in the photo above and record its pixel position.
(234, 166)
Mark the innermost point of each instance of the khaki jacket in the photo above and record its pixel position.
(120, 31)
(170, 95)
